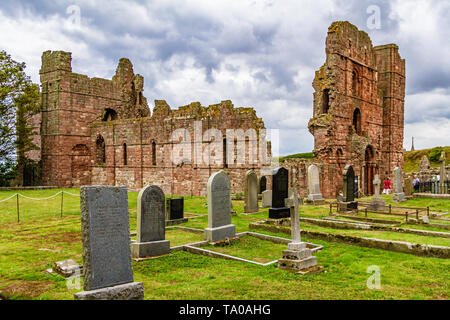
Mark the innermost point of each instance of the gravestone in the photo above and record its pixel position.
(376, 204)
(175, 208)
(219, 208)
(408, 186)
(399, 195)
(251, 192)
(267, 199)
(151, 224)
(262, 184)
(349, 187)
(105, 231)
(314, 193)
(297, 257)
(280, 185)
(442, 174)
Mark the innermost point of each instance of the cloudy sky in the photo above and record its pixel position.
(259, 53)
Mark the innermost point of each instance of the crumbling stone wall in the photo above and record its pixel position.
(101, 132)
(358, 110)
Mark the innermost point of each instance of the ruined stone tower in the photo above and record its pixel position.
(358, 108)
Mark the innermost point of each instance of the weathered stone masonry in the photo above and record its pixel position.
(358, 111)
(100, 132)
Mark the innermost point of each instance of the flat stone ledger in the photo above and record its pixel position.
(128, 291)
(106, 237)
(219, 208)
(175, 208)
(151, 223)
(251, 192)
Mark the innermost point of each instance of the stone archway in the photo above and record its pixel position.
(80, 165)
(369, 171)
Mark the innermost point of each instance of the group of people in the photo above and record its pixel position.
(388, 185)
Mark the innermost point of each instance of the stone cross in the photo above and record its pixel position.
(377, 183)
(292, 203)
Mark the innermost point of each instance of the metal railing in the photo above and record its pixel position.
(433, 187)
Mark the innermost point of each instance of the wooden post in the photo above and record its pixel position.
(390, 209)
(428, 212)
(62, 202)
(18, 217)
(417, 215)
(406, 216)
(331, 209)
(365, 211)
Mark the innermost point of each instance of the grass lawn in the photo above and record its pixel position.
(42, 237)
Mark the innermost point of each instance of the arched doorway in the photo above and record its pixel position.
(369, 171)
(80, 166)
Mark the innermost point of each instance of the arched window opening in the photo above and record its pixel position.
(154, 153)
(125, 156)
(326, 101)
(100, 150)
(355, 84)
(224, 151)
(357, 121)
(140, 98)
(109, 115)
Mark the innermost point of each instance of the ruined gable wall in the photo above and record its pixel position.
(70, 103)
(188, 177)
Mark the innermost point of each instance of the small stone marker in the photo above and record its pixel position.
(251, 192)
(280, 185)
(377, 204)
(105, 229)
(399, 195)
(67, 268)
(314, 193)
(151, 224)
(175, 208)
(219, 208)
(267, 199)
(349, 187)
(298, 257)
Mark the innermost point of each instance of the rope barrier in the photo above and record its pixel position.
(38, 199)
(9, 197)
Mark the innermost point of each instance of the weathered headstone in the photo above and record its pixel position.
(219, 208)
(151, 224)
(297, 257)
(314, 193)
(105, 230)
(262, 184)
(280, 185)
(267, 199)
(408, 185)
(349, 187)
(424, 164)
(399, 195)
(442, 174)
(377, 203)
(175, 208)
(251, 192)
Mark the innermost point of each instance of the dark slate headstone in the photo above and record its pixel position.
(349, 187)
(175, 208)
(280, 189)
(151, 223)
(105, 233)
(349, 184)
(262, 184)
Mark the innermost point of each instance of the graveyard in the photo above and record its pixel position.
(48, 232)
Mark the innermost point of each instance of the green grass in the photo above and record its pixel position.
(42, 237)
(412, 159)
(307, 155)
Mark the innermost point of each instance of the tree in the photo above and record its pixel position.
(19, 100)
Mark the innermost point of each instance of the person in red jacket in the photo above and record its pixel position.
(387, 186)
